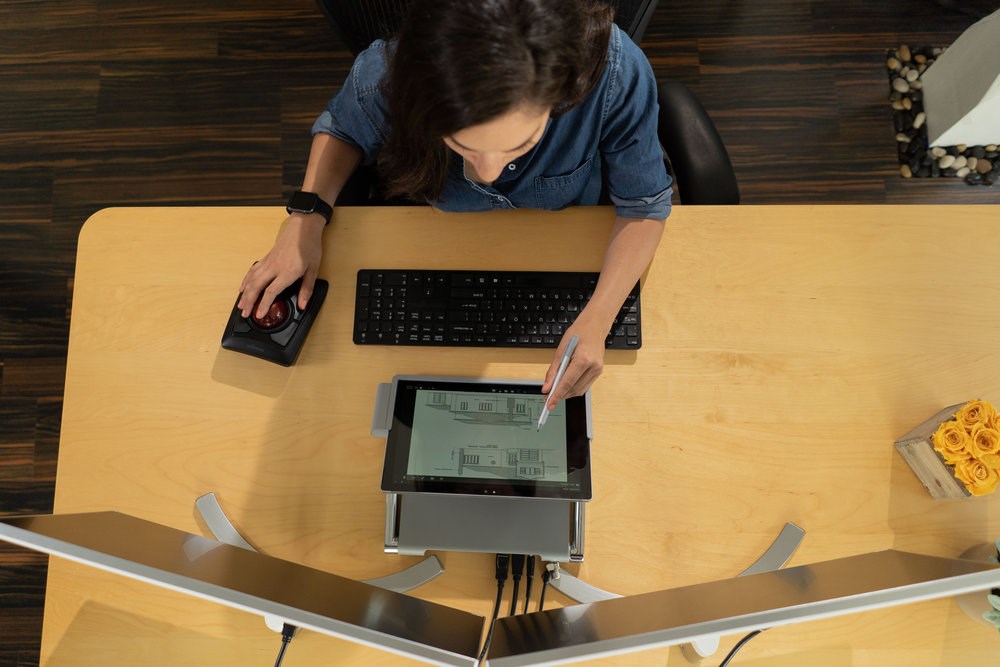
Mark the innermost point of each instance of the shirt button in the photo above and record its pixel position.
(512, 166)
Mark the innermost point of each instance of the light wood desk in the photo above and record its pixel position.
(785, 348)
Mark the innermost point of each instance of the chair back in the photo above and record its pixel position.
(360, 22)
(698, 159)
(633, 16)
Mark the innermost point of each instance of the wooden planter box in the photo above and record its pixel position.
(917, 450)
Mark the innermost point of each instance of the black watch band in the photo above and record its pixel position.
(309, 202)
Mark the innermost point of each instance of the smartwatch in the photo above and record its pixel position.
(309, 202)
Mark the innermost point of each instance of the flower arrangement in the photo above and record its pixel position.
(970, 444)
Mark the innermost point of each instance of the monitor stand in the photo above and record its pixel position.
(774, 558)
(224, 531)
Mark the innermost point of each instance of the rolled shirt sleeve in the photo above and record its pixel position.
(357, 113)
(636, 177)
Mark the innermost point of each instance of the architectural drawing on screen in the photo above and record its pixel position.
(505, 463)
(488, 410)
(486, 436)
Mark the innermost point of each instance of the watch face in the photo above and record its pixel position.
(303, 202)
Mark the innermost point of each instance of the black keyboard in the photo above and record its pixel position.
(480, 308)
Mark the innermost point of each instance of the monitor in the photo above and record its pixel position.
(300, 595)
(753, 602)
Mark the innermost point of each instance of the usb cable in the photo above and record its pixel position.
(516, 570)
(502, 565)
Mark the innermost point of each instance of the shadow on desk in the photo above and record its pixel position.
(269, 379)
(251, 374)
(98, 629)
(88, 637)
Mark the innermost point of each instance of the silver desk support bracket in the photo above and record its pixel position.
(224, 531)
(774, 558)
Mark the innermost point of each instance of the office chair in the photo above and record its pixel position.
(694, 152)
(361, 22)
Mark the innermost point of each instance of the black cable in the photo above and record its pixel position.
(738, 646)
(516, 570)
(527, 585)
(546, 575)
(287, 632)
(501, 564)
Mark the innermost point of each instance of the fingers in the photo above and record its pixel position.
(265, 285)
(249, 291)
(583, 370)
(245, 301)
(271, 293)
(306, 290)
(550, 374)
(568, 386)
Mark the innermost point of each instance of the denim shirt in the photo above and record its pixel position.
(611, 133)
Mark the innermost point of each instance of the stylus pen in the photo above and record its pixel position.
(567, 355)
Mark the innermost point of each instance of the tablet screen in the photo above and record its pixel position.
(480, 438)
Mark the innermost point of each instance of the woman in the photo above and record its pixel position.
(494, 104)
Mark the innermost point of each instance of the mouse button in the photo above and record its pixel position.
(282, 337)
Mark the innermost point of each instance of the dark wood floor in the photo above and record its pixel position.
(111, 102)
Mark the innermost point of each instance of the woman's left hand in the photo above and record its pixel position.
(587, 362)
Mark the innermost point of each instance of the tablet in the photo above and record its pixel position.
(478, 437)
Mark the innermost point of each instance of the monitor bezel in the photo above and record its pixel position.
(577, 487)
(732, 606)
(253, 582)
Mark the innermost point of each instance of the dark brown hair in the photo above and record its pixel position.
(460, 63)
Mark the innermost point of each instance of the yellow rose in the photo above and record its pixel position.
(976, 412)
(994, 420)
(952, 442)
(985, 441)
(991, 461)
(978, 478)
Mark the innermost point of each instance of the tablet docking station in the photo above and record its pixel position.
(466, 470)
(417, 523)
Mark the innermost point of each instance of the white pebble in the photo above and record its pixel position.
(907, 103)
(900, 85)
(892, 63)
(959, 162)
(992, 148)
(946, 161)
(963, 172)
(902, 138)
(937, 151)
(919, 120)
(912, 75)
(897, 105)
(971, 164)
(917, 85)
(904, 53)
(961, 148)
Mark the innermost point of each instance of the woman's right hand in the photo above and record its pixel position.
(296, 254)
